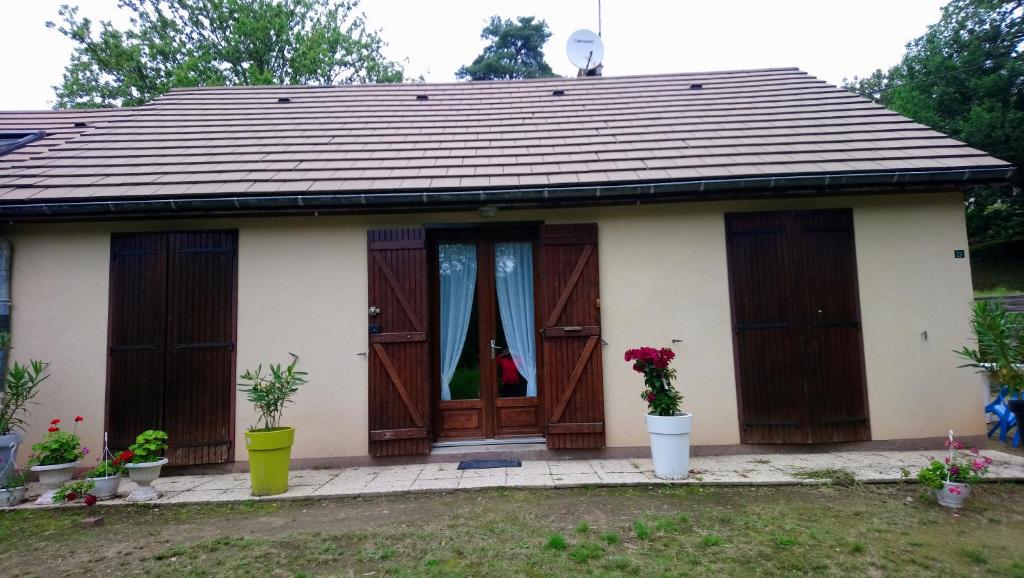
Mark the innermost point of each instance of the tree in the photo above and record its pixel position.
(965, 77)
(175, 43)
(516, 50)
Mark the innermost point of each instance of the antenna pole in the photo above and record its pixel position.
(598, 17)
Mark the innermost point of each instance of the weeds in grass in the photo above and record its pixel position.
(586, 551)
(975, 556)
(582, 528)
(711, 540)
(786, 541)
(610, 538)
(834, 476)
(376, 553)
(556, 542)
(643, 531)
(857, 548)
(666, 525)
(761, 461)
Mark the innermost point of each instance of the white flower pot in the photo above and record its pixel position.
(9, 454)
(143, 474)
(105, 488)
(670, 445)
(953, 494)
(52, 478)
(12, 497)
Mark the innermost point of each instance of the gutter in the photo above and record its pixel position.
(381, 202)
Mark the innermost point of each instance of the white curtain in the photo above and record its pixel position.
(457, 263)
(513, 265)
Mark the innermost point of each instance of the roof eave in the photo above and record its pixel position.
(554, 196)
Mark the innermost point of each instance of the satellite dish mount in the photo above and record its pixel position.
(586, 52)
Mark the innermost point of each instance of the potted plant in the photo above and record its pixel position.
(146, 456)
(73, 491)
(951, 478)
(107, 475)
(269, 444)
(668, 427)
(12, 492)
(54, 459)
(1000, 350)
(20, 386)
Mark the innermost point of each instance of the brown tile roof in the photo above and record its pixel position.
(60, 126)
(700, 128)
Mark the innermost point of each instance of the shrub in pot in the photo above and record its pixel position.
(269, 444)
(145, 460)
(12, 492)
(20, 386)
(951, 478)
(1000, 350)
(669, 428)
(107, 475)
(54, 459)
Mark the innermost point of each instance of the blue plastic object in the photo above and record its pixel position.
(1007, 420)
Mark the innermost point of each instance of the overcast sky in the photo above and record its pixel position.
(830, 39)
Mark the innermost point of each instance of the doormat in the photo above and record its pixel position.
(487, 464)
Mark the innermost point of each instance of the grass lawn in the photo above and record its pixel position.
(649, 531)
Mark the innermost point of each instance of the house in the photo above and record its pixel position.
(467, 262)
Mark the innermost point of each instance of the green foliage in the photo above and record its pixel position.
(965, 77)
(58, 447)
(105, 469)
(148, 446)
(516, 50)
(556, 542)
(610, 538)
(1000, 339)
(269, 393)
(711, 540)
(582, 528)
(73, 490)
(643, 531)
(21, 385)
(586, 551)
(176, 43)
(16, 479)
(933, 475)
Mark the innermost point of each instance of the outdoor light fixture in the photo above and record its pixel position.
(488, 211)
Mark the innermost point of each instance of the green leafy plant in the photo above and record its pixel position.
(1000, 338)
(74, 490)
(661, 396)
(270, 392)
(16, 479)
(643, 531)
(20, 387)
(556, 542)
(962, 466)
(59, 446)
(148, 447)
(107, 468)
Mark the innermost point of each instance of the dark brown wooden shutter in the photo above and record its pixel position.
(571, 336)
(137, 330)
(201, 347)
(399, 354)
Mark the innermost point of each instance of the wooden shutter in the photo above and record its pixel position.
(571, 336)
(137, 330)
(399, 354)
(200, 382)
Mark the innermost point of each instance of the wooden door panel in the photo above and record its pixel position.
(570, 339)
(137, 332)
(399, 355)
(517, 416)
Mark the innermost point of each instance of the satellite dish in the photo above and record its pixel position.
(585, 49)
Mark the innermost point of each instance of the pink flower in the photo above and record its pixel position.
(954, 490)
(987, 461)
(85, 451)
(974, 451)
(977, 465)
(954, 471)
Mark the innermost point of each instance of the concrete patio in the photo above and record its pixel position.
(773, 469)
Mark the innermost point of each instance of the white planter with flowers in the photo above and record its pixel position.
(668, 427)
(146, 463)
(952, 477)
(55, 458)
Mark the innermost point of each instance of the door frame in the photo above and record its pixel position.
(490, 233)
(856, 307)
(233, 397)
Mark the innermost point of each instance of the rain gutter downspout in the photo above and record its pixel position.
(709, 189)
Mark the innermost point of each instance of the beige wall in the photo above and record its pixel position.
(302, 288)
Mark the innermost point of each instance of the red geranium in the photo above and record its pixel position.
(123, 457)
(53, 429)
(79, 418)
(70, 497)
(54, 422)
(90, 500)
(661, 396)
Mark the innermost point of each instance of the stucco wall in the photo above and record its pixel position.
(302, 288)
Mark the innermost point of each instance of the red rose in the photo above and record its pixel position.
(79, 418)
(70, 497)
(53, 429)
(55, 422)
(90, 500)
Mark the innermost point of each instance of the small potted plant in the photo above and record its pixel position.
(107, 475)
(1000, 350)
(269, 444)
(146, 456)
(74, 491)
(54, 459)
(668, 427)
(12, 492)
(951, 479)
(20, 386)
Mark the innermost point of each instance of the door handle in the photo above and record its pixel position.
(493, 348)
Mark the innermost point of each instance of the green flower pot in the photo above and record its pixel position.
(269, 454)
